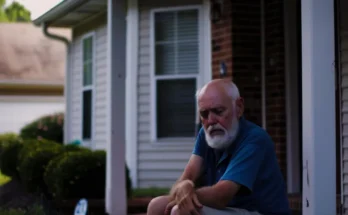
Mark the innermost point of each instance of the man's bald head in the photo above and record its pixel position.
(222, 87)
(220, 107)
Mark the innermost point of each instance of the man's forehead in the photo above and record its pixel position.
(212, 99)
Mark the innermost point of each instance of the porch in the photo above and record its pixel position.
(316, 23)
(313, 175)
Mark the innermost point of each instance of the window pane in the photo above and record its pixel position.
(87, 114)
(87, 74)
(176, 108)
(165, 59)
(188, 25)
(87, 61)
(164, 26)
(87, 49)
(187, 59)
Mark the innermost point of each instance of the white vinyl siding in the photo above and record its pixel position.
(99, 107)
(159, 164)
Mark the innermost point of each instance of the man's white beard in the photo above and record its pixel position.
(225, 140)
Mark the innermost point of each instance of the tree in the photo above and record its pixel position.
(3, 16)
(15, 12)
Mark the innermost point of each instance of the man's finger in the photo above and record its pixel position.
(193, 210)
(169, 208)
(196, 201)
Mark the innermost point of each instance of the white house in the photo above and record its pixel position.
(133, 68)
(32, 73)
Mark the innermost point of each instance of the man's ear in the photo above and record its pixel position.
(240, 105)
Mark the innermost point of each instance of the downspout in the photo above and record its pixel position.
(45, 27)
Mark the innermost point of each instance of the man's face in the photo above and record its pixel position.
(219, 116)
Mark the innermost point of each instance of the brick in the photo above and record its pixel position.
(238, 36)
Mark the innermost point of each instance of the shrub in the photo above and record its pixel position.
(73, 148)
(32, 161)
(79, 174)
(6, 138)
(49, 127)
(9, 157)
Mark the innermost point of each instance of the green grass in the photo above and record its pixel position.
(4, 179)
(149, 192)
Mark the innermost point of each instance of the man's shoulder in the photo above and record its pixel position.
(256, 134)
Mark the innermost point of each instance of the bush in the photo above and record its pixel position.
(32, 161)
(79, 174)
(9, 157)
(74, 148)
(49, 127)
(6, 138)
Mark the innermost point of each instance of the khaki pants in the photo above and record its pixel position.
(228, 211)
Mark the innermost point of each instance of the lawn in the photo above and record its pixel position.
(4, 179)
(150, 192)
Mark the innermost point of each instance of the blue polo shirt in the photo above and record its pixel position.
(251, 162)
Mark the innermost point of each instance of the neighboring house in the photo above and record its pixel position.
(280, 53)
(32, 71)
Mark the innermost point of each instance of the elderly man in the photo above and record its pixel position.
(234, 157)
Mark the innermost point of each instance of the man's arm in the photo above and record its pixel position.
(192, 171)
(218, 195)
(194, 167)
(241, 172)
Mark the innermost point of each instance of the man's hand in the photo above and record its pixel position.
(185, 198)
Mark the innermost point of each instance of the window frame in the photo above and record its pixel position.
(154, 78)
(88, 141)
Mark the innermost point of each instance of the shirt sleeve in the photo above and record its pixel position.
(244, 167)
(200, 145)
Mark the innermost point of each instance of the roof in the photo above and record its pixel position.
(28, 56)
(69, 13)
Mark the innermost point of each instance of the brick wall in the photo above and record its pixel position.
(236, 40)
(222, 41)
(275, 78)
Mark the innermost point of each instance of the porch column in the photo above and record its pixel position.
(115, 199)
(318, 106)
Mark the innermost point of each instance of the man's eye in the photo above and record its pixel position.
(217, 111)
(204, 114)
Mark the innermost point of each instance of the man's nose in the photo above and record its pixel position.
(211, 119)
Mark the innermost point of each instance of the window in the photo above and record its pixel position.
(176, 68)
(87, 87)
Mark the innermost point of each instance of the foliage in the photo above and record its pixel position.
(9, 157)
(72, 148)
(4, 179)
(71, 174)
(49, 127)
(32, 161)
(150, 192)
(6, 138)
(15, 12)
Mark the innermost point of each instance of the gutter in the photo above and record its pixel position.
(66, 85)
(58, 10)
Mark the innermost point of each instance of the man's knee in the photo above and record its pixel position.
(175, 210)
(158, 205)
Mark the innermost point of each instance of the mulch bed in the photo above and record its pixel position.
(13, 195)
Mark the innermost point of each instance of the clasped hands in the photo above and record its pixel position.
(185, 197)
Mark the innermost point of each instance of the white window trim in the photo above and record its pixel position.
(204, 67)
(89, 142)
